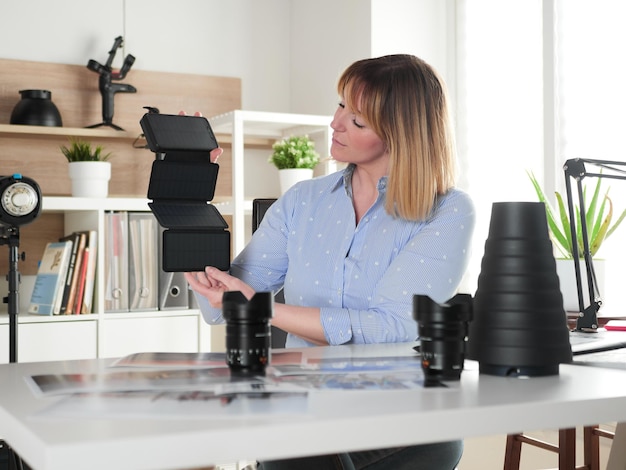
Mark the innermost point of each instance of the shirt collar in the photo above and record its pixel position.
(346, 179)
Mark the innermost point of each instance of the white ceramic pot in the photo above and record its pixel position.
(90, 179)
(567, 279)
(291, 176)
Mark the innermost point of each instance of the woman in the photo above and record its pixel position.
(352, 248)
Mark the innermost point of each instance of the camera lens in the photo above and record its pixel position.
(248, 332)
(443, 330)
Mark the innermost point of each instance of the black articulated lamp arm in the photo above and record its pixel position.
(575, 169)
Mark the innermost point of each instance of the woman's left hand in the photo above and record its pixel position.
(212, 283)
(215, 153)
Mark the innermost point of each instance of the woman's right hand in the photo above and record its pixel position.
(212, 283)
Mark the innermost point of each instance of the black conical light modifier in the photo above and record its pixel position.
(519, 326)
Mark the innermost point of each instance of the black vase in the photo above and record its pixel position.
(36, 109)
(519, 326)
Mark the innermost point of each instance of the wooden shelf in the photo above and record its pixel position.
(224, 139)
(99, 133)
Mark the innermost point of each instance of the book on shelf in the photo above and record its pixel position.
(80, 287)
(73, 237)
(73, 272)
(50, 281)
(91, 252)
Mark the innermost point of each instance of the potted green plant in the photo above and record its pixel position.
(600, 225)
(295, 157)
(89, 168)
(81, 151)
(599, 219)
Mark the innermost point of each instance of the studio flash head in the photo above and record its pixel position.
(20, 200)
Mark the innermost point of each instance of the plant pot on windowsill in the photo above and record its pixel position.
(89, 169)
(295, 157)
(567, 280)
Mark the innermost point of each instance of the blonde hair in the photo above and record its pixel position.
(405, 102)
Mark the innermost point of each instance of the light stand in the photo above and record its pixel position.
(587, 320)
(20, 204)
(12, 238)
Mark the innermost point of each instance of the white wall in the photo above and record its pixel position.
(326, 35)
(289, 53)
(413, 27)
(240, 38)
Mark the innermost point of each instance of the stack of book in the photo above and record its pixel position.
(66, 276)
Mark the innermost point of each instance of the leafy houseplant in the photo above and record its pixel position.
(81, 151)
(89, 169)
(599, 218)
(294, 152)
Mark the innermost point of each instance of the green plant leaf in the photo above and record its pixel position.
(565, 237)
(597, 232)
(81, 151)
(599, 226)
(616, 224)
(598, 236)
(562, 239)
(590, 216)
(294, 152)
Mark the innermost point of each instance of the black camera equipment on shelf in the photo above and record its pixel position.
(182, 183)
(575, 168)
(108, 89)
(20, 204)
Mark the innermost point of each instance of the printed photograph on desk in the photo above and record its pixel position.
(155, 379)
(348, 365)
(398, 380)
(259, 399)
(166, 360)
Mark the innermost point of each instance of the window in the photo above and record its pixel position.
(539, 82)
(591, 108)
(500, 107)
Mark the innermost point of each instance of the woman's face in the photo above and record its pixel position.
(353, 139)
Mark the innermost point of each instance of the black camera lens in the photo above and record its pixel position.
(248, 331)
(443, 330)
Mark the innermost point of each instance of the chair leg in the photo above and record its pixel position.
(513, 452)
(591, 443)
(567, 449)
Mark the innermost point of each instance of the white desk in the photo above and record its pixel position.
(338, 421)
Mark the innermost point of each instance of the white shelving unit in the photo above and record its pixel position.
(100, 334)
(43, 338)
(245, 124)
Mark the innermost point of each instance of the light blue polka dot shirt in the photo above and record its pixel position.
(362, 277)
